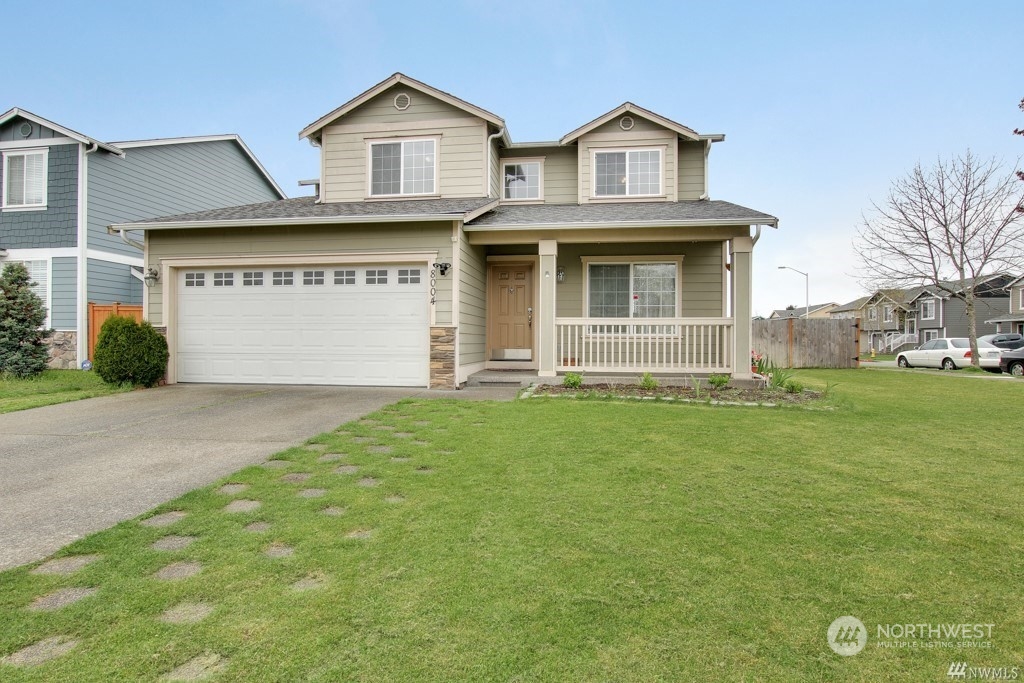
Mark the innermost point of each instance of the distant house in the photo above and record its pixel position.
(61, 189)
(894, 319)
(1014, 320)
(817, 311)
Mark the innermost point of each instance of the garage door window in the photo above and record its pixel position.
(195, 279)
(376, 277)
(312, 277)
(408, 276)
(252, 278)
(283, 278)
(223, 279)
(344, 277)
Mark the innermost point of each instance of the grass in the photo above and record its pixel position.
(53, 386)
(581, 540)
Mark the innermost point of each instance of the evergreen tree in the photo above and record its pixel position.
(23, 351)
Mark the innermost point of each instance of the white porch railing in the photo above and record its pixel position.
(644, 344)
(894, 340)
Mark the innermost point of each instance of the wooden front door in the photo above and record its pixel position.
(510, 310)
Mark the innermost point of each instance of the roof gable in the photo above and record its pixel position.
(313, 130)
(56, 127)
(630, 108)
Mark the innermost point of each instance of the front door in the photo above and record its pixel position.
(510, 310)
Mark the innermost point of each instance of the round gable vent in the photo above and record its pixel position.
(626, 123)
(25, 129)
(402, 101)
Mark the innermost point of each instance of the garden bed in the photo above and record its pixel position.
(705, 393)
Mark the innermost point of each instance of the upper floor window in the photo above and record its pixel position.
(406, 167)
(24, 185)
(522, 179)
(886, 314)
(872, 313)
(629, 173)
(928, 309)
(1020, 304)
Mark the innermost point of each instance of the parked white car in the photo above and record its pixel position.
(949, 353)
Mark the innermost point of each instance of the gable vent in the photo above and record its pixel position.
(626, 123)
(402, 101)
(25, 129)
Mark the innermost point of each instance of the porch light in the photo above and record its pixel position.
(152, 276)
(560, 274)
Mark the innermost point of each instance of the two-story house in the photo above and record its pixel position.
(436, 246)
(1013, 320)
(61, 189)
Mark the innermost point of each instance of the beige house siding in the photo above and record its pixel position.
(691, 170)
(560, 164)
(327, 240)
(460, 150)
(702, 279)
(472, 303)
(1015, 293)
(643, 134)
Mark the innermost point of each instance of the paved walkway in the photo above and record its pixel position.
(76, 468)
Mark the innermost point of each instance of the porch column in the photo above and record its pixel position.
(548, 251)
(741, 249)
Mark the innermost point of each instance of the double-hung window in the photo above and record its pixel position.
(522, 180)
(403, 167)
(928, 309)
(24, 185)
(642, 289)
(886, 314)
(627, 173)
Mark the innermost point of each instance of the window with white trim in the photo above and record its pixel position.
(252, 278)
(344, 277)
(376, 277)
(627, 173)
(872, 313)
(406, 167)
(886, 314)
(39, 275)
(312, 277)
(523, 180)
(408, 276)
(1020, 303)
(195, 279)
(223, 279)
(282, 278)
(930, 334)
(631, 290)
(24, 185)
(927, 309)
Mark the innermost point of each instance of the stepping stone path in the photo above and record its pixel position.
(319, 447)
(187, 613)
(308, 583)
(368, 482)
(400, 459)
(394, 499)
(278, 550)
(173, 542)
(40, 652)
(424, 470)
(422, 423)
(359, 534)
(384, 428)
(445, 452)
(198, 668)
(420, 443)
(232, 489)
(60, 598)
(403, 435)
(311, 493)
(65, 565)
(178, 570)
(331, 457)
(333, 511)
(379, 449)
(276, 464)
(296, 477)
(257, 527)
(166, 519)
(361, 439)
(346, 469)
(242, 505)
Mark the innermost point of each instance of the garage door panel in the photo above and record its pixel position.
(311, 334)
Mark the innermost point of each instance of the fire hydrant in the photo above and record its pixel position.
(872, 353)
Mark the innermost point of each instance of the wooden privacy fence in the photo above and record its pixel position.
(808, 343)
(98, 314)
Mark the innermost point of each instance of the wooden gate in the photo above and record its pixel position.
(809, 343)
(98, 314)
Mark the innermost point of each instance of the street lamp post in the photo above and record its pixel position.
(807, 290)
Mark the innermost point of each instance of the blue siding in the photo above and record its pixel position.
(112, 282)
(64, 276)
(165, 180)
(11, 131)
(56, 226)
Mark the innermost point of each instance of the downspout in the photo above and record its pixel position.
(323, 164)
(707, 153)
(82, 326)
(490, 138)
(757, 235)
(129, 241)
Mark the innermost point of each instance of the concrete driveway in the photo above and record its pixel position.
(72, 469)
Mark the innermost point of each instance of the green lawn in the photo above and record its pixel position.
(561, 539)
(53, 386)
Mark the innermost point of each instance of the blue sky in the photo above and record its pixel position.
(822, 103)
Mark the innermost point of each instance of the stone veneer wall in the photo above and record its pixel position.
(63, 351)
(442, 358)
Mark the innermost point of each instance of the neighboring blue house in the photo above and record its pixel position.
(61, 189)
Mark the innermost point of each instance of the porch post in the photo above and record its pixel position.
(548, 251)
(742, 293)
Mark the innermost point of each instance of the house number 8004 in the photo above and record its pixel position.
(433, 285)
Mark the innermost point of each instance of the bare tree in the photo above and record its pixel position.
(945, 227)
(1020, 131)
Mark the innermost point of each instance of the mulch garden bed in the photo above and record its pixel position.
(737, 395)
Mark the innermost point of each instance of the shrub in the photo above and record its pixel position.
(647, 381)
(127, 351)
(794, 387)
(572, 380)
(23, 351)
(718, 381)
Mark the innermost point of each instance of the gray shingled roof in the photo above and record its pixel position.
(798, 312)
(629, 212)
(306, 207)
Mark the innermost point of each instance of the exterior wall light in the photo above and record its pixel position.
(152, 276)
(560, 274)
(443, 268)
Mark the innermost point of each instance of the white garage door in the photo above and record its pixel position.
(357, 325)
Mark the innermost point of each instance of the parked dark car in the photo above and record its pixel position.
(1004, 340)
(1012, 362)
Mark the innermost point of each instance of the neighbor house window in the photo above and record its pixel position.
(39, 276)
(24, 185)
(407, 167)
(872, 313)
(1020, 303)
(930, 334)
(629, 173)
(522, 180)
(928, 309)
(631, 290)
(886, 314)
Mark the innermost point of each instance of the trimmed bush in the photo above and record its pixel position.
(127, 351)
(23, 351)
(572, 380)
(718, 381)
